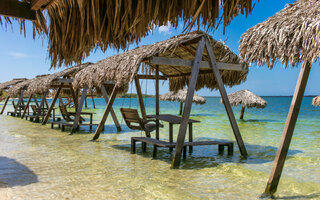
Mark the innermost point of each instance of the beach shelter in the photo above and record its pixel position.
(5, 86)
(247, 99)
(194, 59)
(181, 97)
(63, 80)
(292, 36)
(316, 101)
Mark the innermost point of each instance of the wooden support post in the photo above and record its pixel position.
(85, 103)
(140, 98)
(106, 112)
(47, 105)
(188, 103)
(226, 101)
(75, 98)
(19, 102)
(288, 130)
(113, 114)
(5, 104)
(242, 111)
(41, 105)
(78, 110)
(94, 105)
(26, 107)
(157, 102)
(36, 101)
(181, 107)
(46, 118)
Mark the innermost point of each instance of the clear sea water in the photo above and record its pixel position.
(37, 162)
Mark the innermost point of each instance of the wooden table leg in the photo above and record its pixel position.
(190, 137)
(91, 121)
(170, 135)
(133, 145)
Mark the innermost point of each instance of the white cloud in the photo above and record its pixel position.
(18, 55)
(165, 29)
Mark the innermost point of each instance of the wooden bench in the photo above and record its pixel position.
(13, 114)
(160, 143)
(62, 125)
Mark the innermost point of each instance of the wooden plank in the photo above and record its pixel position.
(105, 114)
(140, 76)
(113, 114)
(19, 101)
(288, 130)
(157, 103)
(75, 98)
(79, 109)
(41, 104)
(181, 107)
(46, 118)
(226, 101)
(189, 63)
(17, 9)
(26, 107)
(140, 98)
(188, 103)
(4, 105)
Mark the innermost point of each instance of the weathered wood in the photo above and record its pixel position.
(181, 107)
(47, 105)
(188, 103)
(157, 102)
(41, 105)
(288, 130)
(46, 118)
(17, 9)
(242, 111)
(36, 101)
(226, 101)
(113, 114)
(38, 4)
(85, 103)
(105, 114)
(79, 109)
(140, 98)
(188, 63)
(5, 104)
(26, 107)
(19, 102)
(94, 105)
(173, 119)
(140, 76)
(75, 98)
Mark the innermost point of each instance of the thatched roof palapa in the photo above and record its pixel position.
(122, 68)
(42, 84)
(316, 101)
(247, 99)
(15, 90)
(181, 96)
(8, 84)
(77, 26)
(292, 35)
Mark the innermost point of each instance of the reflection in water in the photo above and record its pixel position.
(72, 167)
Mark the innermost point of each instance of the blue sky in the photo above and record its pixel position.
(24, 57)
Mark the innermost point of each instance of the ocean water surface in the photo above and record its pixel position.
(37, 162)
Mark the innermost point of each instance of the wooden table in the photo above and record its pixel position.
(173, 119)
(85, 113)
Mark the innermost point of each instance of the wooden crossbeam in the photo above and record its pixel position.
(188, 63)
(45, 120)
(141, 76)
(5, 104)
(17, 9)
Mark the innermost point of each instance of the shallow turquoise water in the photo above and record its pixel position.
(37, 162)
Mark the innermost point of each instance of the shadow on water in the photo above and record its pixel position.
(258, 120)
(108, 129)
(208, 157)
(310, 196)
(202, 115)
(13, 173)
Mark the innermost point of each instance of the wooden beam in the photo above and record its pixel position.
(5, 104)
(188, 63)
(17, 9)
(46, 118)
(41, 104)
(140, 76)
(113, 114)
(79, 109)
(243, 108)
(188, 103)
(288, 130)
(19, 101)
(140, 99)
(106, 113)
(226, 101)
(26, 107)
(188, 74)
(94, 105)
(157, 102)
(38, 4)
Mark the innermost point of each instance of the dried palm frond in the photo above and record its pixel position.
(181, 96)
(8, 84)
(316, 101)
(247, 99)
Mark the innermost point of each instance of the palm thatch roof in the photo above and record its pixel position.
(42, 84)
(181, 96)
(292, 35)
(8, 84)
(246, 98)
(316, 101)
(77, 26)
(15, 90)
(122, 68)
